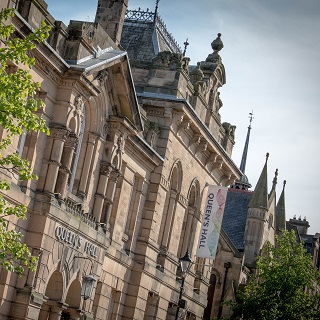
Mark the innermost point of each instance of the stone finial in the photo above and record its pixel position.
(267, 156)
(284, 183)
(275, 179)
(217, 44)
(196, 74)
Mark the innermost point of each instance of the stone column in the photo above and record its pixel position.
(87, 163)
(111, 189)
(55, 313)
(59, 135)
(66, 163)
(105, 170)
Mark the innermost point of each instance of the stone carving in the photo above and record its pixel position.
(102, 76)
(211, 100)
(79, 103)
(218, 104)
(120, 142)
(185, 64)
(59, 133)
(168, 60)
(229, 129)
(196, 74)
(196, 139)
(105, 168)
(105, 129)
(151, 133)
(71, 141)
(184, 125)
(115, 175)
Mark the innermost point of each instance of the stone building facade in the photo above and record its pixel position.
(135, 138)
(121, 175)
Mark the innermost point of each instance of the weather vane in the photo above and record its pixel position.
(251, 116)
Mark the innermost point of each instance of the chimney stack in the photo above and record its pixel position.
(110, 15)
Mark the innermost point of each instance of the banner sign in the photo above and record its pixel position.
(211, 222)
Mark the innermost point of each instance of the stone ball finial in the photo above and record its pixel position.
(267, 156)
(217, 44)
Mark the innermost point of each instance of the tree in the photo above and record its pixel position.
(18, 104)
(286, 285)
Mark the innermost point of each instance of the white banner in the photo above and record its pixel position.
(211, 222)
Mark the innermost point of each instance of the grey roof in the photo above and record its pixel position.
(103, 57)
(235, 216)
(138, 40)
(144, 35)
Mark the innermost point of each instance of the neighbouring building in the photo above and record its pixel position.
(135, 138)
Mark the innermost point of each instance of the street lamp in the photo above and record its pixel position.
(87, 286)
(86, 289)
(185, 264)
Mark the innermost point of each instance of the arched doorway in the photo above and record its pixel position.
(52, 309)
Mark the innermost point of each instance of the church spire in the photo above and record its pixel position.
(259, 198)
(244, 183)
(246, 146)
(281, 211)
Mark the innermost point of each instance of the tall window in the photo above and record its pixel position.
(170, 207)
(77, 152)
(187, 238)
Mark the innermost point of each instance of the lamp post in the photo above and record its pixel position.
(86, 289)
(185, 264)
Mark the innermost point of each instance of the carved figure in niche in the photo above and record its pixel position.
(102, 77)
(218, 104)
(79, 103)
(151, 133)
(120, 142)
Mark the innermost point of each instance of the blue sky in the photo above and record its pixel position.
(271, 56)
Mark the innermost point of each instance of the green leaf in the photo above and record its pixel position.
(18, 106)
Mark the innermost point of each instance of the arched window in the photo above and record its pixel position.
(170, 206)
(187, 238)
(77, 152)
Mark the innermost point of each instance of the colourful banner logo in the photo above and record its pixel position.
(211, 222)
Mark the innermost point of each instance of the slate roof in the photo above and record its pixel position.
(144, 35)
(235, 216)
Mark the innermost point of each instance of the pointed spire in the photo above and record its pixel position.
(259, 198)
(246, 146)
(244, 183)
(274, 183)
(281, 211)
